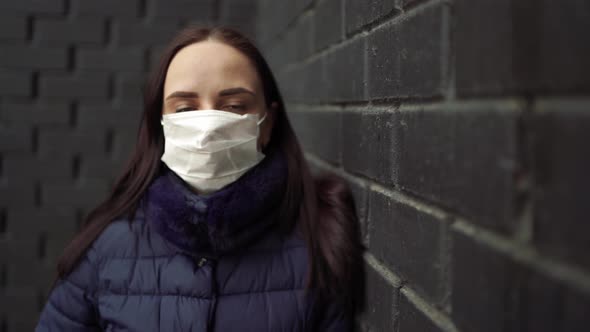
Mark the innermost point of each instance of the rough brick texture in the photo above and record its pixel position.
(462, 129)
(71, 74)
(522, 46)
(409, 242)
(406, 57)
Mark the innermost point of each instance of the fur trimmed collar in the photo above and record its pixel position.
(223, 220)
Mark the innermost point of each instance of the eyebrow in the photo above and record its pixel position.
(233, 91)
(226, 92)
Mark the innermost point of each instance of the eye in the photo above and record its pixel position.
(184, 109)
(235, 107)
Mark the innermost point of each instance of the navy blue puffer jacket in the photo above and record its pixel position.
(157, 273)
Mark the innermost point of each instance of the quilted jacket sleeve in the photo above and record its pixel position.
(71, 305)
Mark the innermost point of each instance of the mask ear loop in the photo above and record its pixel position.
(262, 119)
(258, 128)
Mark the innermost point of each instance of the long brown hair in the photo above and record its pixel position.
(327, 217)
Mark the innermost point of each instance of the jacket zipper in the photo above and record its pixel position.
(212, 308)
(202, 261)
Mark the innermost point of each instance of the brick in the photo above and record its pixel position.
(542, 297)
(408, 3)
(155, 56)
(47, 220)
(483, 56)
(41, 112)
(16, 83)
(62, 143)
(110, 8)
(55, 243)
(560, 130)
(43, 246)
(101, 168)
(16, 139)
(265, 20)
(202, 10)
(72, 31)
(294, 46)
(32, 57)
(16, 194)
(345, 64)
(302, 38)
(359, 13)
(13, 28)
(406, 58)
(121, 115)
(300, 6)
(521, 46)
(276, 56)
(125, 33)
(319, 132)
(328, 23)
(20, 305)
(576, 309)
(240, 15)
(28, 274)
(275, 14)
(119, 60)
(28, 166)
(361, 197)
(82, 194)
(236, 10)
(411, 243)
(16, 250)
(462, 156)
(83, 85)
(123, 144)
(563, 49)
(282, 52)
(129, 87)
(552, 306)
(286, 83)
(303, 84)
(381, 301)
(32, 6)
(368, 136)
(412, 319)
(482, 283)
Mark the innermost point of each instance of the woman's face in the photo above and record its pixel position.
(211, 75)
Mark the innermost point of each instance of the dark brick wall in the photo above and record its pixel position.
(71, 73)
(463, 128)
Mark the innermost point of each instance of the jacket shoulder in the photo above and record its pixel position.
(129, 238)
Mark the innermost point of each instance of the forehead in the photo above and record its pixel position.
(209, 66)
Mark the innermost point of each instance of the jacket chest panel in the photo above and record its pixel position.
(262, 271)
(279, 310)
(145, 312)
(167, 275)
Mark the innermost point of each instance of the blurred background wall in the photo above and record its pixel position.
(462, 125)
(71, 76)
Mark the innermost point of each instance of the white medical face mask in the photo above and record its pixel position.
(210, 149)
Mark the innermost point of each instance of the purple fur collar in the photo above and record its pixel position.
(221, 221)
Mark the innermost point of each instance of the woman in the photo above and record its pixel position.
(216, 224)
